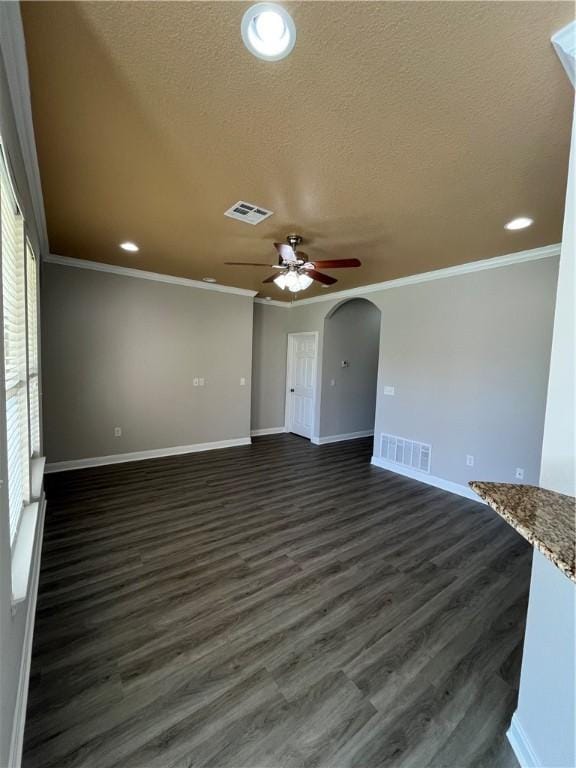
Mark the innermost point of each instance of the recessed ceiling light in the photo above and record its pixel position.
(520, 223)
(128, 246)
(268, 31)
(209, 279)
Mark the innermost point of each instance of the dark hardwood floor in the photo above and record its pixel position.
(280, 604)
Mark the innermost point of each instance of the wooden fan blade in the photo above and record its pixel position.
(285, 251)
(247, 264)
(326, 279)
(270, 279)
(337, 263)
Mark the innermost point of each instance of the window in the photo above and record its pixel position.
(19, 299)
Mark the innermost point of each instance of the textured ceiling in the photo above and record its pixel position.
(403, 133)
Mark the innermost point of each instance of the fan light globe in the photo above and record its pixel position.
(305, 282)
(280, 280)
(293, 281)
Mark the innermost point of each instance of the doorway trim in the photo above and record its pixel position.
(289, 367)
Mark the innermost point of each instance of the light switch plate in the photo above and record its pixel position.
(201, 382)
(242, 381)
(388, 390)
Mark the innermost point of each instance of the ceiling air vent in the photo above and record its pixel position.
(406, 453)
(251, 214)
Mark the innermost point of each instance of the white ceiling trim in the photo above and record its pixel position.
(510, 259)
(534, 254)
(96, 266)
(274, 303)
(14, 54)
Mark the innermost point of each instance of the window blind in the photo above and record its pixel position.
(32, 312)
(15, 352)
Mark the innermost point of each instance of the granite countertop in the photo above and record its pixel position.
(545, 518)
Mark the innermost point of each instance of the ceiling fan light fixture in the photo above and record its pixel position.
(268, 31)
(294, 281)
(297, 271)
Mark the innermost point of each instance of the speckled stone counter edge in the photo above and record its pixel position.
(483, 490)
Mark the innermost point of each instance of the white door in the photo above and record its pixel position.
(301, 383)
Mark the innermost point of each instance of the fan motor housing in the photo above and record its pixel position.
(294, 241)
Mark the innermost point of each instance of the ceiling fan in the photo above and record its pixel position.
(297, 271)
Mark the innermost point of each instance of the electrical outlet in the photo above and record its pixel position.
(332, 382)
(519, 473)
(200, 382)
(242, 381)
(388, 390)
(469, 460)
(117, 431)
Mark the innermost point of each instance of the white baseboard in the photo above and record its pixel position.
(424, 477)
(19, 721)
(121, 458)
(341, 438)
(521, 745)
(267, 431)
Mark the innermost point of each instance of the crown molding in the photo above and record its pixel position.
(520, 257)
(274, 303)
(96, 266)
(564, 42)
(424, 277)
(13, 47)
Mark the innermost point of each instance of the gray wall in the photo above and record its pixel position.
(351, 333)
(269, 366)
(12, 622)
(468, 356)
(123, 351)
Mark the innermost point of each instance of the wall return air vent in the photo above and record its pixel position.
(251, 214)
(406, 453)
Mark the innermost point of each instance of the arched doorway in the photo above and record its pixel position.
(349, 370)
